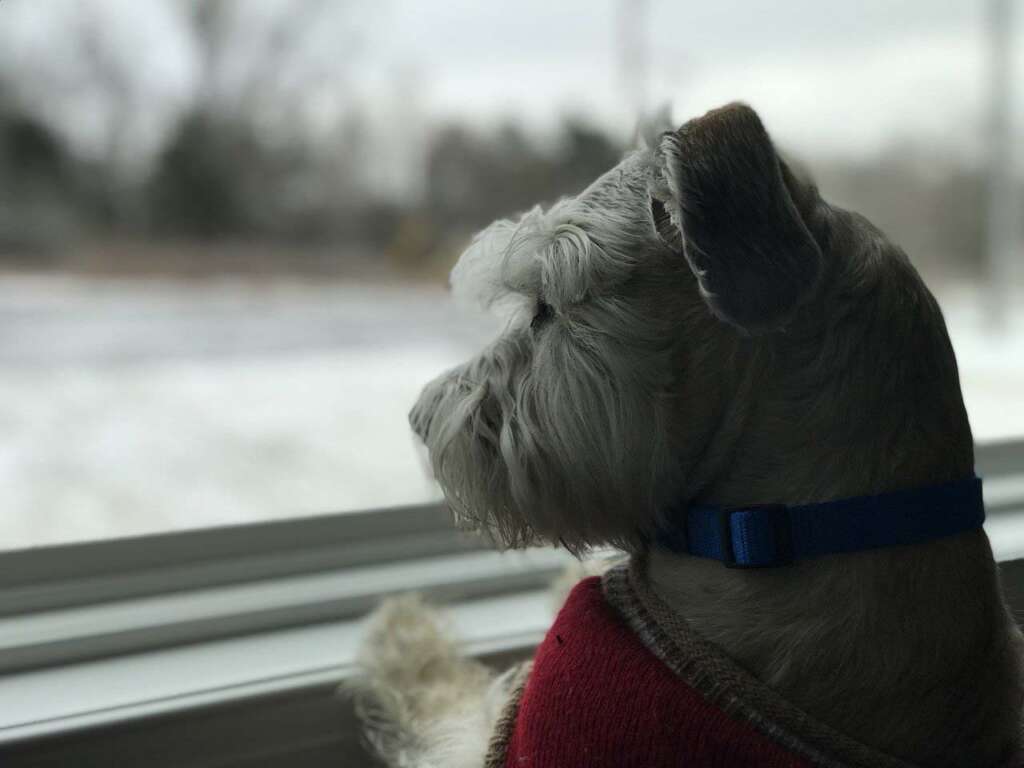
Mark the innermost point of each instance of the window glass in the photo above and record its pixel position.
(225, 226)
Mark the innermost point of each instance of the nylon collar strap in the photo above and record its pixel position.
(769, 535)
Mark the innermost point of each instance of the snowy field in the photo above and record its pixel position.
(131, 407)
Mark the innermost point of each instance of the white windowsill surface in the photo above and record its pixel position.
(89, 694)
(62, 699)
(125, 631)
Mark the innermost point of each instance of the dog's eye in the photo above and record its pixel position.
(541, 315)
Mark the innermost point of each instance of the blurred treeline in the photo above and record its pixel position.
(222, 176)
(217, 180)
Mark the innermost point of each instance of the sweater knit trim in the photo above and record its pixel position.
(497, 747)
(706, 668)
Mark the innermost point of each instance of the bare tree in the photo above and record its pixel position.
(111, 73)
(244, 160)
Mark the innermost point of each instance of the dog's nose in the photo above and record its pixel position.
(422, 414)
(419, 420)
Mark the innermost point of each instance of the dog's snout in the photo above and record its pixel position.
(421, 413)
(431, 399)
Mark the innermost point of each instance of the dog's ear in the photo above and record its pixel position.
(721, 198)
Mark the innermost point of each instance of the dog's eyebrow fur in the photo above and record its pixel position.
(575, 248)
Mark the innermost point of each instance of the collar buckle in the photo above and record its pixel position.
(773, 517)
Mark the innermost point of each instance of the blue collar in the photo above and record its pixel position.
(766, 535)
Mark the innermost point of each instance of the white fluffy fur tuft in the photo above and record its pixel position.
(423, 705)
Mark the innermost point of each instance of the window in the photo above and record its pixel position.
(224, 232)
(225, 229)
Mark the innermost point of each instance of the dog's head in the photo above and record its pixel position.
(645, 304)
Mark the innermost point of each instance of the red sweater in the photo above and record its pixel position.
(598, 697)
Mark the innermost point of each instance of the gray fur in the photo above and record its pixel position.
(738, 341)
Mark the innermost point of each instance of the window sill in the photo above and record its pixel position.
(98, 639)
(48, 702)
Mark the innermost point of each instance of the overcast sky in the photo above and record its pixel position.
(829, 77)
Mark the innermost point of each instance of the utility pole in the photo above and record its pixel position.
(1001, 204)
(634, 63)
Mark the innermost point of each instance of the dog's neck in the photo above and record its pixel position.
(871, 643)
(909, 650)
(911, 653)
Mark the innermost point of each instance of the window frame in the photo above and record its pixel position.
(83, 573)
(295, 591)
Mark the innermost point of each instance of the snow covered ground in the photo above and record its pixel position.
(129, 407)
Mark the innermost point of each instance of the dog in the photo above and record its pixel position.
(699, 329)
